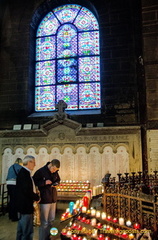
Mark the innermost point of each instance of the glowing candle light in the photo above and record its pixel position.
(84, 209)
(109, 218)
(115, 220)
(69, 234)
(124, 235)
(131, 236)
(136, 226)
(101, 237)
(94, 233)
(84, 238)
(103, 215)
(93, 212)
(64, 231)
(121, 221)
(107, 238)
(93, 221)
(99, 225)
(128, 223)
(88, 221)
(98, 214)
(79, 227)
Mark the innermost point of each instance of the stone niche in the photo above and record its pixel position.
(85, 153)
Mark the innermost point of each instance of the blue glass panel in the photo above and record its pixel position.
(67, 70)
(68, 93)
(89, 69)
(45, 98)
(66, 41)
(45, 49)
(45, 73)
(89, 43)
(89, 95)
(68, 62)
(48, 25)
(67, 13)
(86, 21)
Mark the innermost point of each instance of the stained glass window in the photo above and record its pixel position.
(68, 59)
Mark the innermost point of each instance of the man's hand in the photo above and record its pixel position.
(48, 182)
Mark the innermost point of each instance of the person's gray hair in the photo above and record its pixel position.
(27, 159)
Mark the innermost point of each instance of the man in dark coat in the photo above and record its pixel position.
(26, 195)
(46, 178)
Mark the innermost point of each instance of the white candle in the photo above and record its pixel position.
(128, 223)
(93, 212)
(69, 234)
(98, 214)
(121, 221)
(103, 215)
(94, 233)
(93, 222)
(84, 209)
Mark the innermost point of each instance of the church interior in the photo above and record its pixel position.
(79, 83)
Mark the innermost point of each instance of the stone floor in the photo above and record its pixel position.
(8, 228)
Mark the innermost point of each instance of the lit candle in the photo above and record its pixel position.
(101, 237)
(79, 238)
(107, 238)
(93, 211)
(64, 231)
(88, 211)
(93, 221)
(136, 226)
(108, 227)
(124, 235)
(109, 218)
(83, 219)
(69, 234)
(79, 217)
(74, 237)
(115, 220)
(84, 209)
(128, 223)
(94, 233)
(74, 225)
(104, 226)
(62, 218)
(88, 221)
(98, 214)
(99, 225)
(131, 236)
(121, 221)
(79, 227)
(103, 215)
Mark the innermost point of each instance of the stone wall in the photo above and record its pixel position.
(150, 50)
(85, 153)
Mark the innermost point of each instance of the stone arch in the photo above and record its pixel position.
(67, 146)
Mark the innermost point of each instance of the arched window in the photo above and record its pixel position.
(68, 59)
